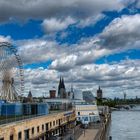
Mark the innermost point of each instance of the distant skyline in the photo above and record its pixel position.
(88, 42)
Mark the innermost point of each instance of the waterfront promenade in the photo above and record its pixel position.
(89, 134)
(97, 131)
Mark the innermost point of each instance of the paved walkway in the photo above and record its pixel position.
(89, 134)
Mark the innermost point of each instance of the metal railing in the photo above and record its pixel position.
(102, 133)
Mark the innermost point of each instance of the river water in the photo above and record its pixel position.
(125, 125)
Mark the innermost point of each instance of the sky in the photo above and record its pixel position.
(88, 42)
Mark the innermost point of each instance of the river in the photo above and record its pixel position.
(125, 125)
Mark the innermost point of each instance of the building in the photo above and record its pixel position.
(30, 97)
(71, 93)
(86, 112)
(88, 96)
(99, 93)
(61, 89)
(77, 95)
(52, 93)
(38, 128)
(64, 103)
(18, 109)
(58, 104)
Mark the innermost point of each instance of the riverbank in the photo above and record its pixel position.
(104, 129)
(98, 131)
(89, 134)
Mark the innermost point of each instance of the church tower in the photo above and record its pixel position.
(99, 93)
(61, 89)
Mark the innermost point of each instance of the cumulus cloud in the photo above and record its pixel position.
(38, 50)
(40, 9)
(5, 39)
(64, 57)
(133, 3)
(54, 25)
(64, 63)
(122, 76)
(90, 20)
(122, 33)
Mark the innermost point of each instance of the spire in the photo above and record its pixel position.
(59, 86)
(99, 90)
(63, 85)
(30, 94)
(60, 82)
(61, 89)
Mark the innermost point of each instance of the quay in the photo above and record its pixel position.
(97, 131)
(89, 134)
(102, 133)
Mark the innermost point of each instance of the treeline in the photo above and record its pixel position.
(117, 101)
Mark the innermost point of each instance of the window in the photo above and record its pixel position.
(78, 113)
(26, 134)
(50, 124)
(11, 137)
(19, 135)
(42, 127)
(53, 123)
(38, 129)
(32, 130)
(59, 121)
(46, 126)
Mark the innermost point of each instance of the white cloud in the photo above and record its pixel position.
(54, 25)
(113, 78)
(90, 21)
(64, 63)
(75, 64)
(122, 33)
(5, 39)
(40, 9)
(64, 57)
(38, 50)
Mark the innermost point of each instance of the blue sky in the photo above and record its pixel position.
(93, 36)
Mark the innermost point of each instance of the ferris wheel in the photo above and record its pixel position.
(11, 73)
